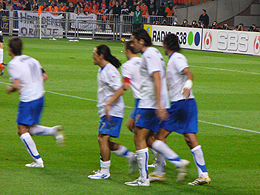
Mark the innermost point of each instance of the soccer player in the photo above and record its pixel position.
(183, 113)
(131, 76)
(28, 76)
(110, 109)
(151, 109)
(2, 67)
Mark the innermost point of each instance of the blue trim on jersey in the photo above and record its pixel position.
(110, 127)
(183, 117)
(37, 157)
(171, 55)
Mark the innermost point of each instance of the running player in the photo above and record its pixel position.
(110, 109)
(28, 76)
(151, 109)
(183, 113)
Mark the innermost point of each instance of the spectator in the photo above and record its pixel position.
(125, 10)
(16, 6)
(62, 8)
(201, 24)
(240, 27)
(185, 23)
(35, 6)
(45, 6)
(94, 3)
(204, 18)
(152, 17)
(71, 7)
(87, 9)
(194, 24)
(53, 7)
(215, 25)
(161, 10)
(152, 7)
(95, 10)
(144, 9)
(225, 27)
(27, 6)
(169, 10)
(117, 9)
(137, 19)
(133, 7)
(175, 23)
(103, 4)
(78, 10)
(253, 28)
(112, 3)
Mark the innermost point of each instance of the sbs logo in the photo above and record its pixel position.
(208, 40)
(257, 44)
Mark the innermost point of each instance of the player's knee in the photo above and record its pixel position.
(22, 130)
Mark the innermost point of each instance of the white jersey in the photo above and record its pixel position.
(131, 70)
(109, 81)
(29, 72)
(152, 61)
(176, 78)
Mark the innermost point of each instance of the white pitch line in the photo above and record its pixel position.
(226, 70)
(229, 127)
(81, 98)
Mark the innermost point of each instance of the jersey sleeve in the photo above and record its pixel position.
(114, 80)
(13, 72)
(181, 63)
(153, 63)
(126, 72)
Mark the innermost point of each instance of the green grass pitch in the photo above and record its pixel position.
(226, 86)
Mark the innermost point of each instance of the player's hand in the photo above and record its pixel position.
(186, 93)
(162, 113)
(9, 89)
(107, 108)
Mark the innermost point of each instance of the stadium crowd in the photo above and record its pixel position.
(139, 9)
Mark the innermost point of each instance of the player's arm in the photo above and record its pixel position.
(188, 85)
(116, 95)
(157, 83)
(126, 83)
(44, 75)
(14, 87)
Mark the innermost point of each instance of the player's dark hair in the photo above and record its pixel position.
(140, 33)
(104, 49)
(128, 45)
(16, 45)
(172, 42)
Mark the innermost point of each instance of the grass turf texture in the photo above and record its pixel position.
(223, 96)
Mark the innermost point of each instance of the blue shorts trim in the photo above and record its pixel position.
(29, 113)
(146, 118)
(133, 112)
(110, 127)
(183, 117)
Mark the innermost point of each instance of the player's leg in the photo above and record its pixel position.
(36, 130)
(130, 123)
(55, 131)
(198, 156)
(23, 132)
(142, 157)
(26, 117)
(122, 151)
(190, 130)
(169, 154)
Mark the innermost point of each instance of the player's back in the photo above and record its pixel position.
(131, 70)
(29, 72)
